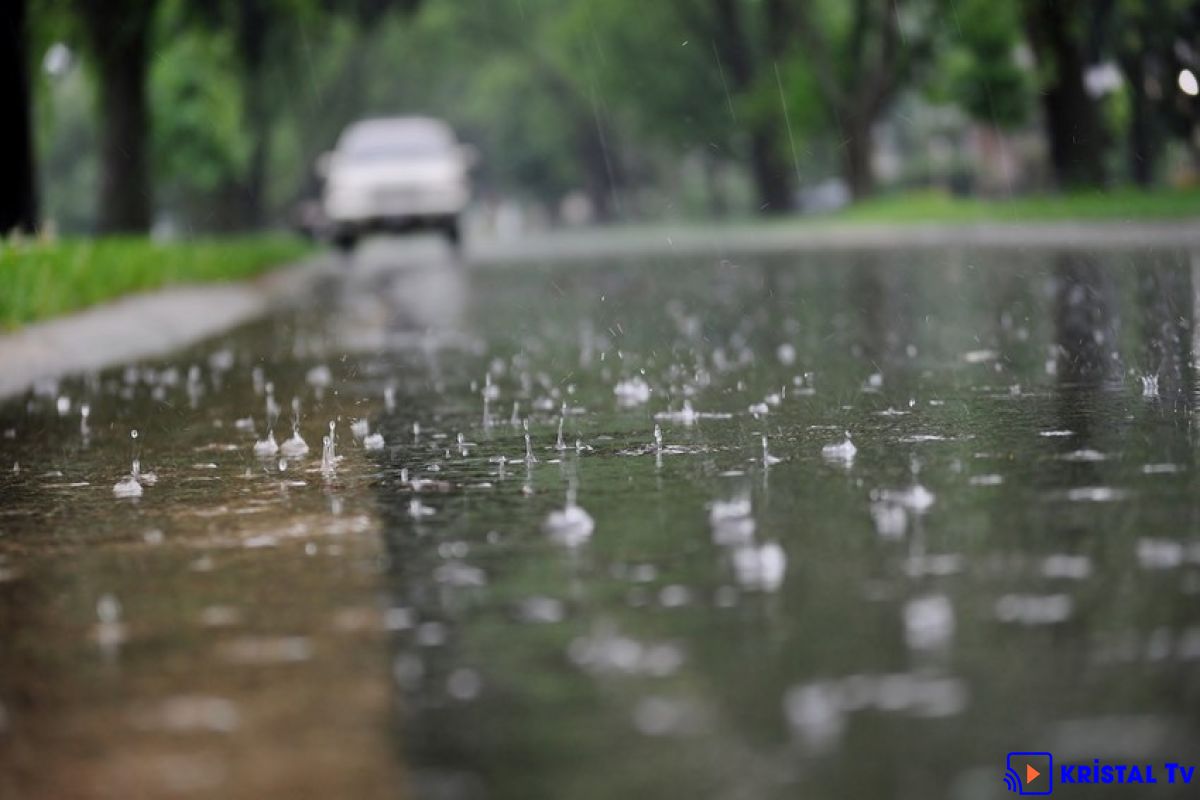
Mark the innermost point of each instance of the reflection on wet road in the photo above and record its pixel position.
(839, 526)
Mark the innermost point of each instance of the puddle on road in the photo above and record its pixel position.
(900, 515)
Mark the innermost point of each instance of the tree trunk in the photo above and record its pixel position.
(601, 172)
(119, 38)
(856, 159)
(714, 191)
(772, 177)
(1143, 147)
(252, 45)
(1073, 127)
(18, 199)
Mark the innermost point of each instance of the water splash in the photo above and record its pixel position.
(530, 458)
(842, 452)
(329, 457)
(731, 521)
(131, 485)
(633, 392)
(688, 416)
(570, 525)
(490, 390)
(760, 567)
(1149, 385)
(272, 408)
(560, 445)
(916, 498)
(417, 509)
(295, 447)
(266, 447)
(768, 459)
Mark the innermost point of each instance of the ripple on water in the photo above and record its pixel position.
(1096, 494)
(607, 651)
(819, 712)
(1034, 609)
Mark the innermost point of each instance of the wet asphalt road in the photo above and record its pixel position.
(1005, 558)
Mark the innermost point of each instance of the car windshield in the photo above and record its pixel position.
(404, 140)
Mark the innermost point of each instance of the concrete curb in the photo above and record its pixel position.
(142, 326)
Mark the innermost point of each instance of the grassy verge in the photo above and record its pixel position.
(40, 280)
(934, 206)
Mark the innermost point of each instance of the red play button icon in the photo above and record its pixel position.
(1031, 774)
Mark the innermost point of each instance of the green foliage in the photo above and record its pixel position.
(199, 145)
(935, 206)
(658, 73)
(536, 83)
(40, 280)
(980, 71)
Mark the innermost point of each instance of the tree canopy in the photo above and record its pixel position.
(209, 116)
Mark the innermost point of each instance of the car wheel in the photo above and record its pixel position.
(344, 241)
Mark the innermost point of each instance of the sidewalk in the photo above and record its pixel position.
(141, 326)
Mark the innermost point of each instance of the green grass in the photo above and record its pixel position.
(935, 206)
(40, 280)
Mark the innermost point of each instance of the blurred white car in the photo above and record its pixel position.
(395, 174)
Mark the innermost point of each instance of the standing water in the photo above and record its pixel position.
(774, 609)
